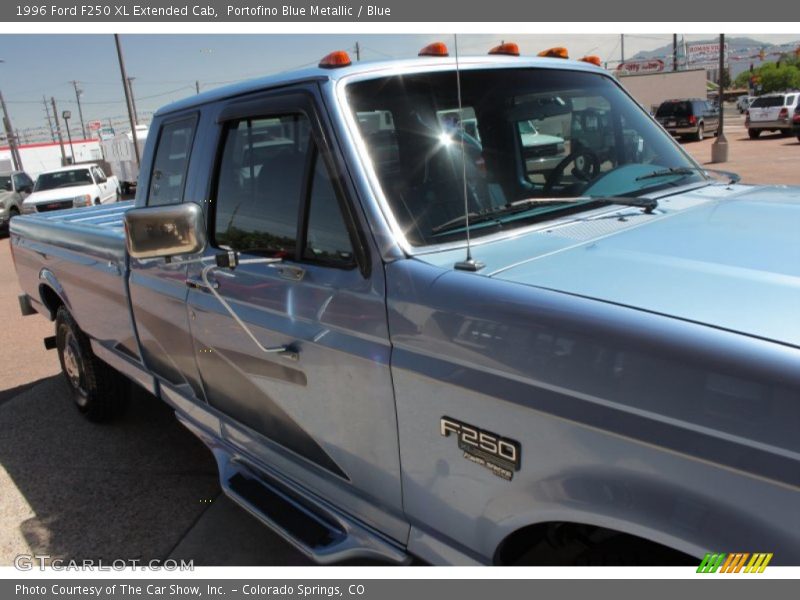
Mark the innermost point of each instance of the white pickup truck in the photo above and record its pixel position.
(71, 187)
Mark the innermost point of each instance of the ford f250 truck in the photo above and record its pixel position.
(398, 340)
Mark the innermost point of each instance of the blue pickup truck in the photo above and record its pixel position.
(405, 341)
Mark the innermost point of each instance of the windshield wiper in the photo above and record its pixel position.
(648, 204)
(683, 171)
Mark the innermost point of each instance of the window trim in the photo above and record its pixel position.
(194, 118)
(305, 214)
(282, 103)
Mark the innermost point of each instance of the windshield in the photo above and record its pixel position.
(527, 134)
(61, 179)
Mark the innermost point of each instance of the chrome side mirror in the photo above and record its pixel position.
(165, 231)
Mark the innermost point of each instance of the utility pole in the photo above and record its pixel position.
(12, 142)
(197, 85)
(358, 52)
(49, 120)
(719, 149)
(78, 94)
(674, 51)
(58, 131)
(133, 99)
(128, 100)
(621, 48)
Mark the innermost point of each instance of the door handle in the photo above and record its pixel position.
(290, 272)
(199, 284)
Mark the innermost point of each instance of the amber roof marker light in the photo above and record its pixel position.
(505, 49)
(593, 60)
(434, 49)
(335, 60)
(557, 52)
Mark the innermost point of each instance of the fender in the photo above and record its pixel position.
(647, 506)
(48, 280)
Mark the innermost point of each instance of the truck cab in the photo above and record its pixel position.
(403, 334)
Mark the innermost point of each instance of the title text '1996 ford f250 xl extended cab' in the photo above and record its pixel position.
(401, 340)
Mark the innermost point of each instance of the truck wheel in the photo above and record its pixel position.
(99, 392)
(754, 133)
(700, 133)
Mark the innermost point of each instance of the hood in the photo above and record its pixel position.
(729, 260)
(60, 194)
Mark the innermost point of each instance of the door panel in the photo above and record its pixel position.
(158, 289)
(324, 407)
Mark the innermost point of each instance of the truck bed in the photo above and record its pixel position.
(79, 256)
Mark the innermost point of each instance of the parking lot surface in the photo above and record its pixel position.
(144, 488)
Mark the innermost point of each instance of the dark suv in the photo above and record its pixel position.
(692, 118)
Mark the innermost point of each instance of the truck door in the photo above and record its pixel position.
(103, 184)
(157, 288)
(321, 404)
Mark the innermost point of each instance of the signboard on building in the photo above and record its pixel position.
(641, 67)
(704, 55)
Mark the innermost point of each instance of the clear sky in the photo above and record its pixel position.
(166, 67)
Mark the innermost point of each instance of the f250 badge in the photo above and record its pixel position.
(498, 454)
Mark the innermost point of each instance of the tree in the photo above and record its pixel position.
(774, 77)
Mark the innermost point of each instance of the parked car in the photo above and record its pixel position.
(743, 103)
(692, 118)
(771, 112)
(392, 355)
(14, 188)
(71, 187)
(796, 122)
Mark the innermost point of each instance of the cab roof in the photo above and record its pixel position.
(378, 68)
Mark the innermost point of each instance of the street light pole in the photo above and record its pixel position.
(67, 115)
(719, 149)
(128, 100)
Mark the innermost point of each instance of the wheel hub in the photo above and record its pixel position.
(72, 365)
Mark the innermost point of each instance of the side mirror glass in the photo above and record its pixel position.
(165, 231)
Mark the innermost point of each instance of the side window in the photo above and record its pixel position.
(327, 238)
(260, 184)
(99, 176)
(168, 178)
(19, 182)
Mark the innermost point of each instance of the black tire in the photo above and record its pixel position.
(754, 133)
(100, 393)
(590, 546)
(798, 138)
(785, 132)
(698, 137)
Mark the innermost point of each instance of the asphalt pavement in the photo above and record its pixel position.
(144, 487)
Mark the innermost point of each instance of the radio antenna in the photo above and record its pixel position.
(469, 264)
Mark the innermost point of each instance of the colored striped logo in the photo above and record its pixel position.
(734, 563)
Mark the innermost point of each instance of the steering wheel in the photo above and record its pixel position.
(587, 167)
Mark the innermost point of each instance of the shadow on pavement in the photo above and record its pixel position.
(75, 490)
